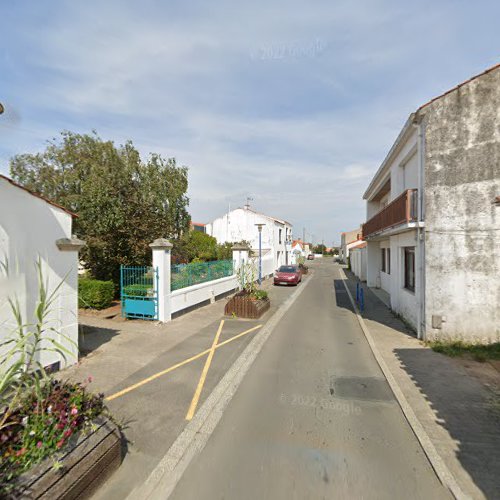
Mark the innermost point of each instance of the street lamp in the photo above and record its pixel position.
(259, 227)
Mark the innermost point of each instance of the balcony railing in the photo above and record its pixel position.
(400, 211)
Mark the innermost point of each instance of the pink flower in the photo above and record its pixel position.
(39, 444)
(67, 433)
(74, 411)
(60, 443)
(20, 452)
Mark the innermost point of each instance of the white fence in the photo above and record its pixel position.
(208, 292)
(174, 302)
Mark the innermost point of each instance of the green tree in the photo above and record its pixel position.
(319, 249)
(123, 203)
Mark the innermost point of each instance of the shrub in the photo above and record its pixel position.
(95, 294)
(138, 290)
(259, 294)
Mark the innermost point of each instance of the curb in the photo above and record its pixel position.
(437, 463)
(163, 479)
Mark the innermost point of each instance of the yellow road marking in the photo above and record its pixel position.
(201, 382)
(178, 365)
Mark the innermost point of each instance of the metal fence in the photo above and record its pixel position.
(139, 292)
(184, 275)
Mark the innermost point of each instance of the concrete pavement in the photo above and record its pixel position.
(154, 414)
(457, 413)
(314, 416)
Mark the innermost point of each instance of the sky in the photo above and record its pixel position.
(293, 104)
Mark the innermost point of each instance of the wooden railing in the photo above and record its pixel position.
(401, 210)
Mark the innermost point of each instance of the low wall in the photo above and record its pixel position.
(186, 298)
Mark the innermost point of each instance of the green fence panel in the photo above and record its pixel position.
(184, 275)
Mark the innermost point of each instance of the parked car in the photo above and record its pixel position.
(310, 256)
(287, 275)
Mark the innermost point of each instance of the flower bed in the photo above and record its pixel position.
(246, 305)
(41, 429)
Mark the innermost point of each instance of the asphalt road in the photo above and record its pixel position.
(313, 417)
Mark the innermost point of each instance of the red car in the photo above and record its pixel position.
(287, 275)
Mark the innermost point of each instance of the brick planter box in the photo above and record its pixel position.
(86, 464)
(244, 306)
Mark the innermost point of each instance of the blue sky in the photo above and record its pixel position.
(292, 103)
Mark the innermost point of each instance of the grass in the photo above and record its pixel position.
(478, 352)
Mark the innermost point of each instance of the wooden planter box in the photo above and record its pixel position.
(86, 464)
(243, 306)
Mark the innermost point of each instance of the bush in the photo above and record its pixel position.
(138, 290)
(259, 294)
(95, 294)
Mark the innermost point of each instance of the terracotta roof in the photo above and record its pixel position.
(198, 223)
(53, 203)
(493, 68)
(361, 244)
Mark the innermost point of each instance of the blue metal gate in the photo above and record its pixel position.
(139, 292)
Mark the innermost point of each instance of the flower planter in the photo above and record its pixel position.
(245, 306)
(85, 464)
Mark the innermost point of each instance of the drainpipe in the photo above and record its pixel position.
(420, 264)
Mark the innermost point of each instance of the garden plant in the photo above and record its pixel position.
(39, 415)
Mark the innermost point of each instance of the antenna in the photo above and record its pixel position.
(247, 205)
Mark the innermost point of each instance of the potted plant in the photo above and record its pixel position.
(302, 264)
(56, 438)
(250, 301)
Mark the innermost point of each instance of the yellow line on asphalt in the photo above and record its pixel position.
(178, 365)
(201, 382)
(155, 376)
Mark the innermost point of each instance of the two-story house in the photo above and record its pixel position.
(242, 224)
(433, 224)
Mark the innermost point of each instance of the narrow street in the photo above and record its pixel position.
(313, 417)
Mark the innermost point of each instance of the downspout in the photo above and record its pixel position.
(420, 230)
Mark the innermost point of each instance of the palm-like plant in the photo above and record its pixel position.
(20, 368)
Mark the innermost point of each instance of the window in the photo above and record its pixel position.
(280, 235)
(382, 254)
(388, 261)
(409, 260)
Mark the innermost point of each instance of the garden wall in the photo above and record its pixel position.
(202, 293)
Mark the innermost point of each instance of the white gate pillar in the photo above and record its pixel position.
(240, 256)
(162, 261)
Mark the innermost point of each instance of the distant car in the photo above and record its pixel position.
(287, 275)
(310, 256)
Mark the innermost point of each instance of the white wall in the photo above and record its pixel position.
(403, 301)
(358, 262)
(29, 228)
(196, 294)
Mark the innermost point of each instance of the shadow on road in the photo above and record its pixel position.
(374, 310)
(464, 408)
(91, 338)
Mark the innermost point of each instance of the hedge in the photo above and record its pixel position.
(95, 294)
(138, 290)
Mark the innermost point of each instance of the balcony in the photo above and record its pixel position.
(402, 210)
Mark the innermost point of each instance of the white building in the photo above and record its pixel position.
(240, 224)
(34, 229)
(300, 248)
(433, 227)
(357, 259)
(348, 240)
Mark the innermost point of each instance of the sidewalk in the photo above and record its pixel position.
(455, 409)
(124, 354)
